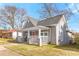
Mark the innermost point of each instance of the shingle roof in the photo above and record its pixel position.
(50, 20)
(45, 22)
(33, 21)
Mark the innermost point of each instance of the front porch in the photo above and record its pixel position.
(37, 35)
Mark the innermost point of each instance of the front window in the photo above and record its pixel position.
(44, 33)
(41, 34)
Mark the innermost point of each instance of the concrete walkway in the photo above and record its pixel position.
(6, 52)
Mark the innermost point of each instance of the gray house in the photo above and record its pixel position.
(50, 30)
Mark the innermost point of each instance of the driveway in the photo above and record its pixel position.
(6, 52)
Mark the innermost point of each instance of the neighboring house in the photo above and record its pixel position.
(50, 30)
(15, 33)
(5, 34)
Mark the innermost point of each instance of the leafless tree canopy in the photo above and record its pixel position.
(47, 10)
(50, 9)
(13, 16)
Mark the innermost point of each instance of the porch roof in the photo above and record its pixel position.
(36, 28)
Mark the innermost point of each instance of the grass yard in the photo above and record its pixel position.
(6, 41)
(48, 50)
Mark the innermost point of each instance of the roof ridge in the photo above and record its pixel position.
(51, 17)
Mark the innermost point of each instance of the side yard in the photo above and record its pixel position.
(6, 41)
(48, 50)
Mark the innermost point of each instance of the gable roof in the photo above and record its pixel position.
(45, 22)
(50, 20)
(33, 21)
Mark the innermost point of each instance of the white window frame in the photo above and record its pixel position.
(44, 34)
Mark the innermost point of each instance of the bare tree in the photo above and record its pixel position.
(67, 12)
(13, 16)
(21, 18)
(49, 9)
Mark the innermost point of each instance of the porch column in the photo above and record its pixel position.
(40, 40)
(28, 36)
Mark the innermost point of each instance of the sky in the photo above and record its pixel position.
(33, 11)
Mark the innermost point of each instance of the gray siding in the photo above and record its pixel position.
(66, 38)
(61, 32)
(53, 35)
(49, 36)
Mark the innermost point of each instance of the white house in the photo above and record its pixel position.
(50, 30)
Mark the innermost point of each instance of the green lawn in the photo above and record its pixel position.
(48, 50)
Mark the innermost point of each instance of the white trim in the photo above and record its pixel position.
(44, 33)
(36, 28)
(40, 41)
